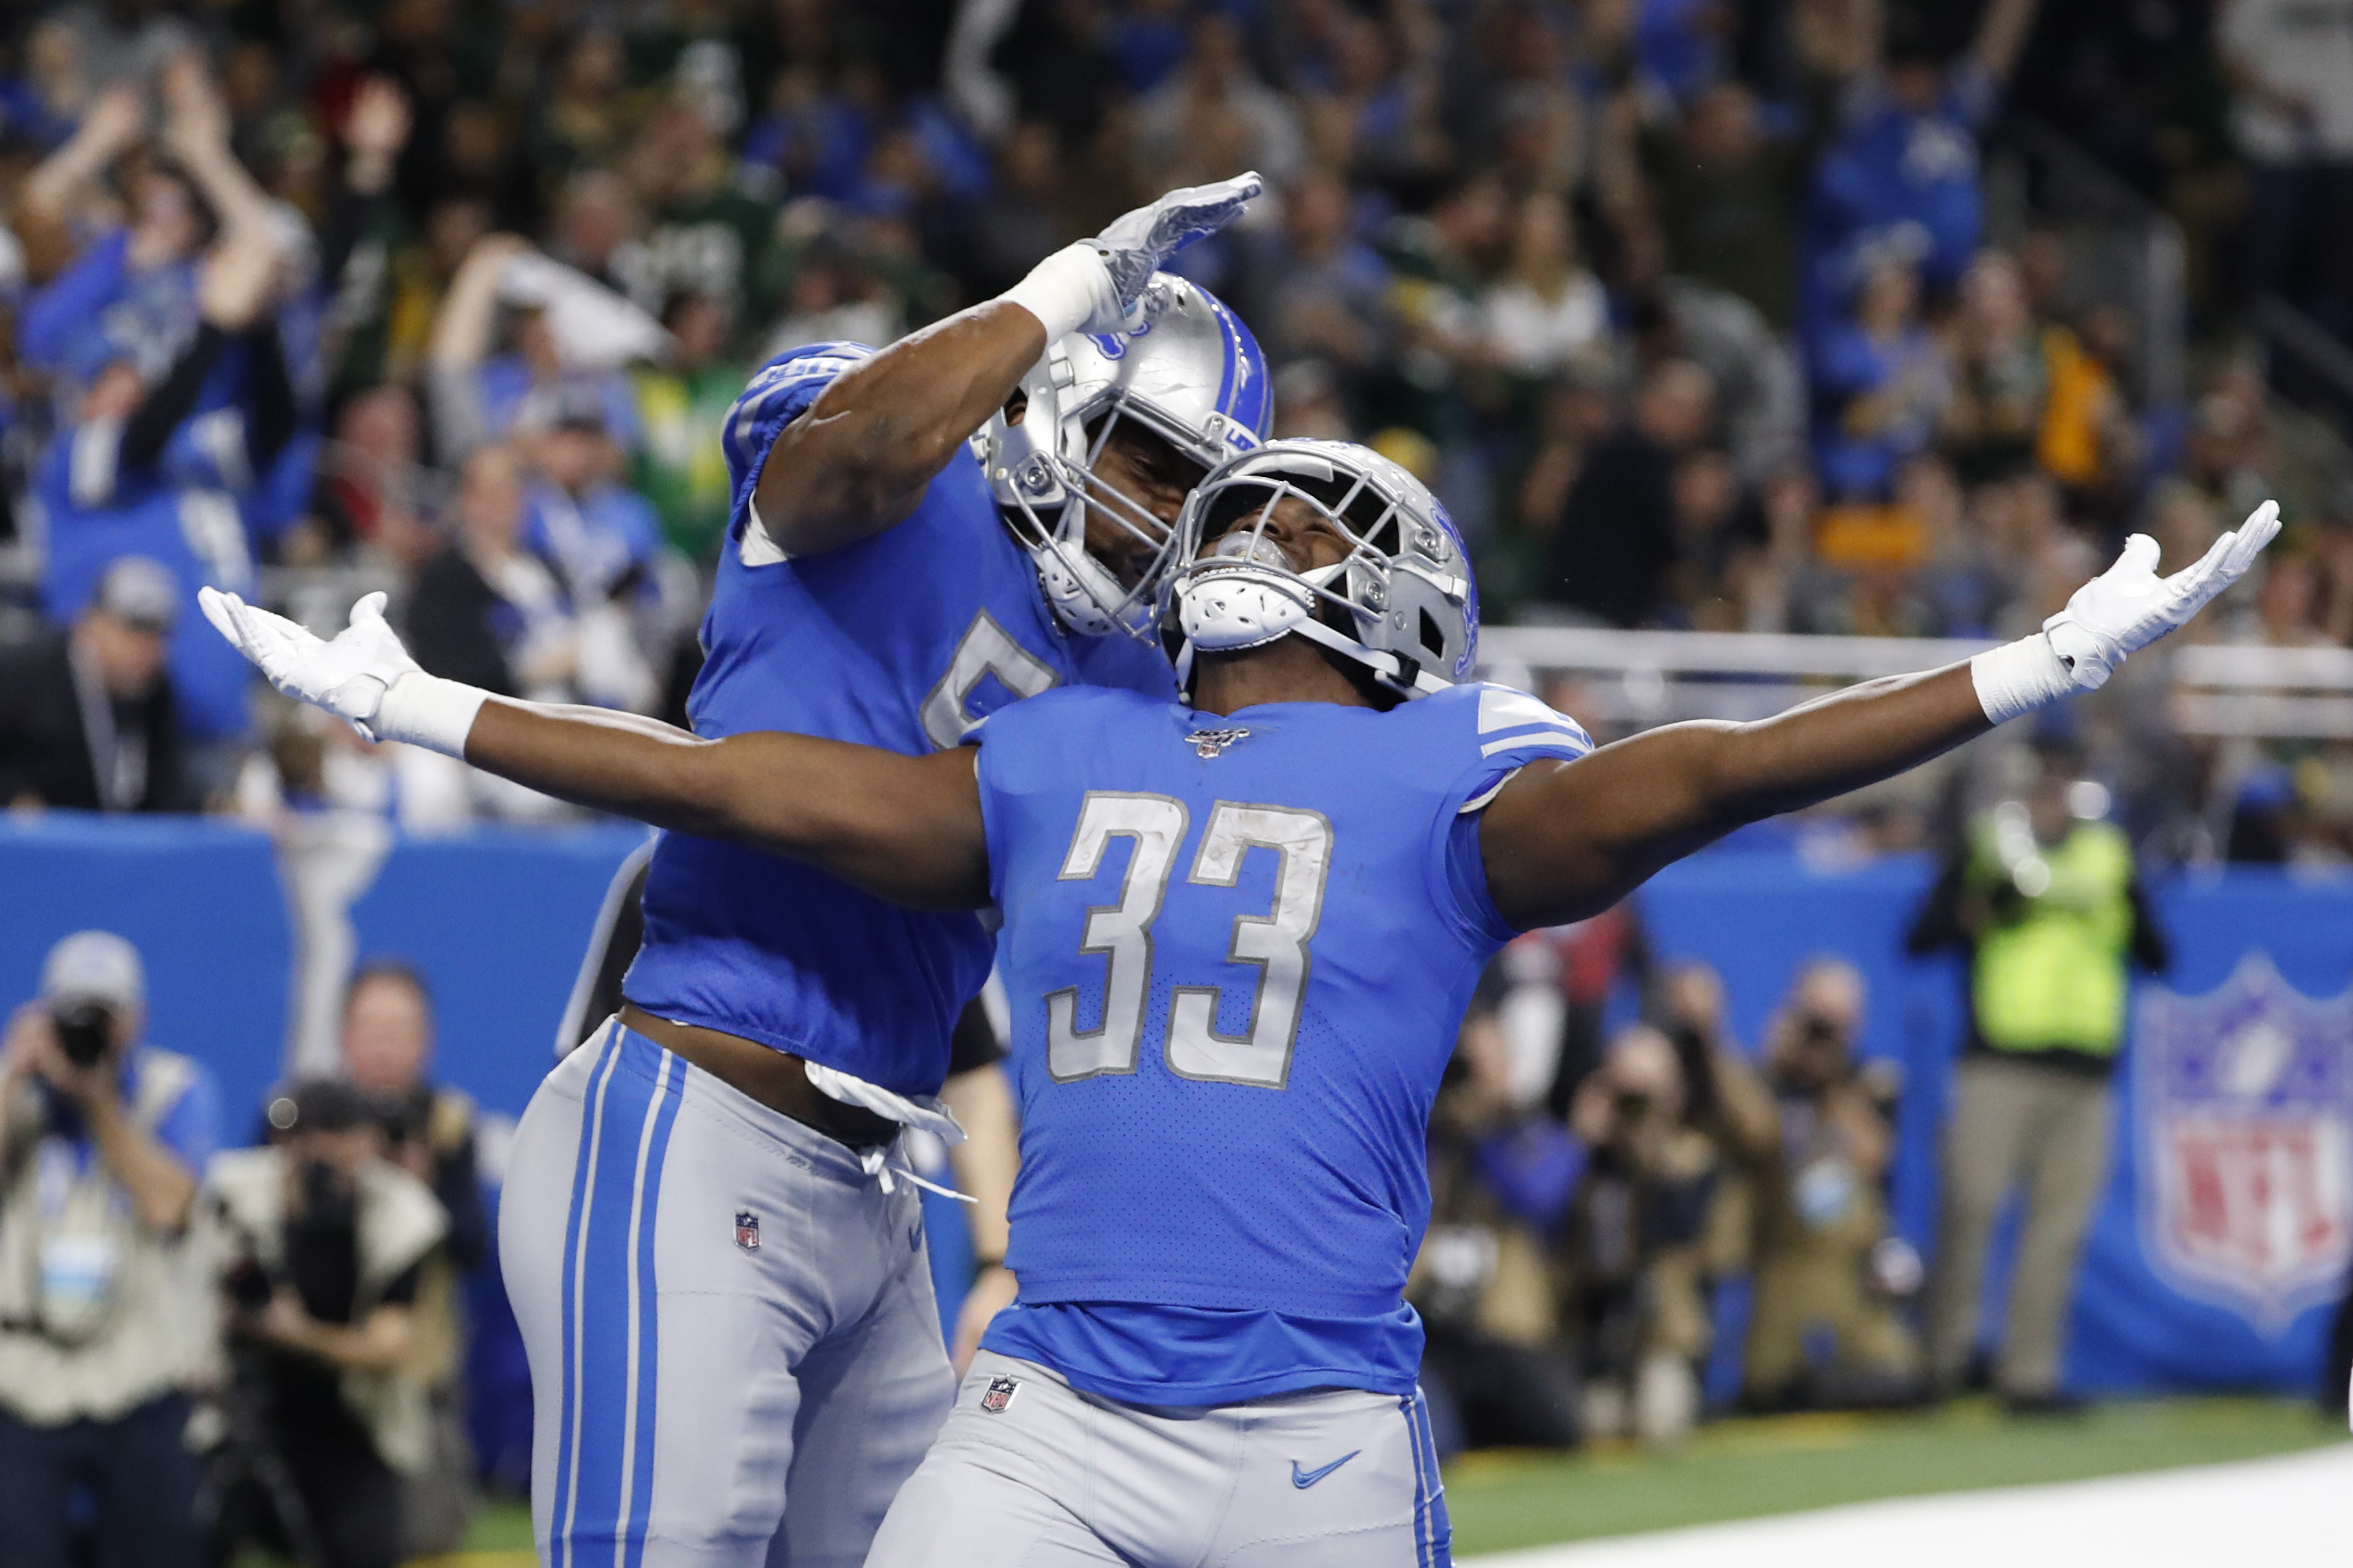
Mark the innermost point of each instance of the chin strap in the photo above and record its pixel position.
(1405, 672)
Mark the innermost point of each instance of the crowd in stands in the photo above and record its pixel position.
(1693, 314)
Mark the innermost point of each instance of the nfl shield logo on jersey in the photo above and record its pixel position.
(1000, 1394)
(2247, 1143)
(747, 1230)
(1213, 742)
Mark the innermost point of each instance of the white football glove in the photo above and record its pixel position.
(1133, 245)
(352, 676)
(2114, 615)
(1097, 285)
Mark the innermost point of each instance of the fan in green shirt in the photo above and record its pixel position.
(683, 404)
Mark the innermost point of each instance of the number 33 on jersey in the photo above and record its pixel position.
(1240, 954)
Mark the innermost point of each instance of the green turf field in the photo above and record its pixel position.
(1740, 1470)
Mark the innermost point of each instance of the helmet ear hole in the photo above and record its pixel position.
(1433, 637)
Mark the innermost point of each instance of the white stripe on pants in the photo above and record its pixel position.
(734, 1349)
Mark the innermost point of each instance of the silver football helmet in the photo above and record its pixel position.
(1192, 374)
(1403, 603)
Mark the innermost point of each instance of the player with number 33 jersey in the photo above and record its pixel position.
(1240, 935)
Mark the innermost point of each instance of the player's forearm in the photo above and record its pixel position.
(857, 461)
(989, 1158)
(907, 829)
(1574, 839)
(619, 762)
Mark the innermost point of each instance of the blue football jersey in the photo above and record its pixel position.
(1237, 951)
(905, 640)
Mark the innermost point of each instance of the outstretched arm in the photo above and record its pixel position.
(1564, 840)
(856, 461)
(904, 828)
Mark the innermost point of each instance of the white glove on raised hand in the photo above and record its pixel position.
(352, 676)
(1097, 285)
(2114, 615)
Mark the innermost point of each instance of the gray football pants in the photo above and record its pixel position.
(735, 1354)
(1031, 1473)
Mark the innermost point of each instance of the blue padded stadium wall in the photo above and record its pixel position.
(497, 921)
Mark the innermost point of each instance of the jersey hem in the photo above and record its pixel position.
(1295, 1380)
(1053, 1290)
(807, 1050)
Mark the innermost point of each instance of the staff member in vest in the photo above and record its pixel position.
(101, 1300)
(2046, 900)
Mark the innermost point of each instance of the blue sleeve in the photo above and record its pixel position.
(191, 1129)
(68, 305)
(775, 399)
(1514, 730)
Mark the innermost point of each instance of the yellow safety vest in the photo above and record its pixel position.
(2056, 977)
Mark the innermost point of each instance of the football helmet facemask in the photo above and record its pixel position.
(1403, 603)
(1192, 375)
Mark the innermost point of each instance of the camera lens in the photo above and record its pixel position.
(84, 1030)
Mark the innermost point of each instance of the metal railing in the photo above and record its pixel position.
(1638, 679)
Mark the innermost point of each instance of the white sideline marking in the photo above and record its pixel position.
(2292, 1512)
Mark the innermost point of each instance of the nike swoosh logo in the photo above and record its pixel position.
(1303, 1479)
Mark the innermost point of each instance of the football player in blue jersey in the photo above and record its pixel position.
(718, 1271)
(1239, 934)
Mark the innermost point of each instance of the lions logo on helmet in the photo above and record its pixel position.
(1191, 375)
(1403, 603)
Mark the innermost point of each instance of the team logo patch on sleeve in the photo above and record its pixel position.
(747, 1230)
(1000, 1394)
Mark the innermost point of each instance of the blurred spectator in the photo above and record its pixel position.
(1727, 196)
(703, 235)
(485, 610)
(1546, 309)
(1822, 1277)
(2045, 900)
(1614, 541)
(1214, 117)
(373, 489)
(104, 1320)
(429, 1131)
(601, 540)
(477, 396)
(683, 409)
(328, 1242)
(1316, 290)
(1501, 1177)
(1020, 221)
(154, 466)
(1558, 983)
(1729, 1105)
(2290, 68)
(87, 720)
(1880, 380)
(2000, 376)
(1631, 1244)
(1904, 160)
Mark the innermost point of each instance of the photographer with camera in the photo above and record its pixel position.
(328, 1240)
(429, 1128)
(1825, 1262)
(1630, 1246)
(102, 1302)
